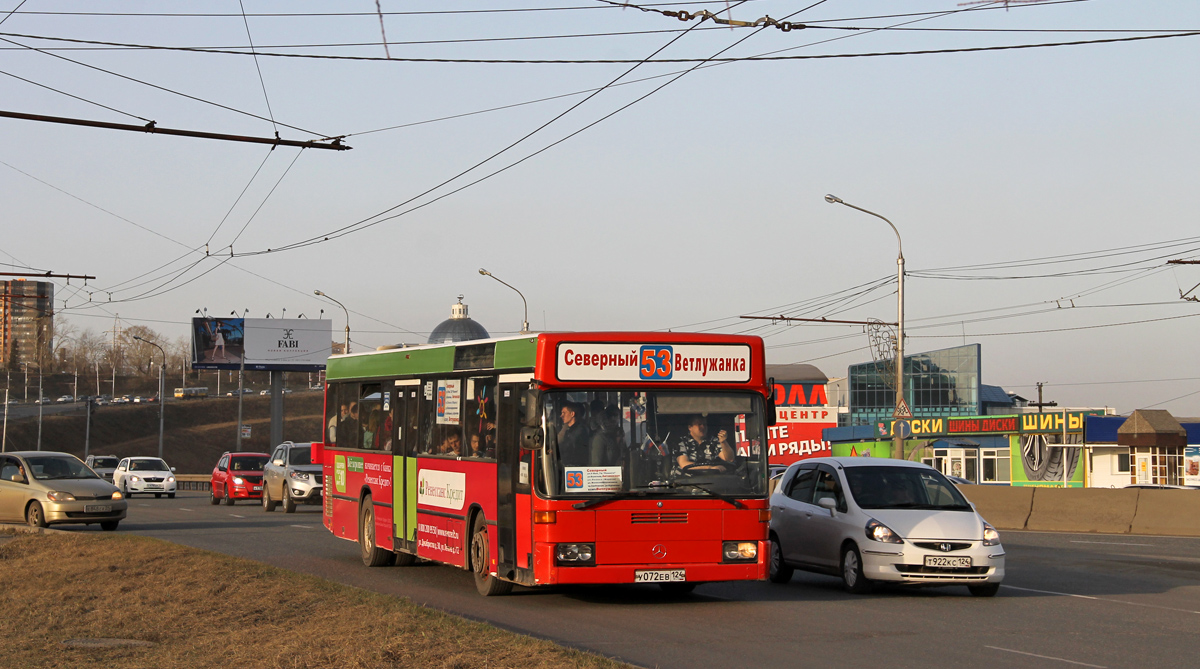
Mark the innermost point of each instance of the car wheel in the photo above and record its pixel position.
(212, 496)
(268, 505)
(35, 516)
(487, 584)
(678, 589)
(125, 490)
(289, 505)
(109, 525)
(229, 501)
(372, 555)
(780, 571)
(170, 495)
(158, 495)
(984, 590)
(852, 571)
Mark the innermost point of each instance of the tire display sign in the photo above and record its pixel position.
(655, 363)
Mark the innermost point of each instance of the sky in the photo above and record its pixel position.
(1038, 192)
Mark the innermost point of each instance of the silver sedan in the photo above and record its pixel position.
(871, 520)
(44, 488)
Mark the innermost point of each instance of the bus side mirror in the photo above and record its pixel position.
(532, 438)
(533, 408)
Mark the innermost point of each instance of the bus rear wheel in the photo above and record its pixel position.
(372, 555)
(486, 583)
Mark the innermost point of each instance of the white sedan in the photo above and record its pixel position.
(144, 475)
(871, 520)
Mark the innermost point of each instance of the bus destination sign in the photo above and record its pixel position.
(680, 363)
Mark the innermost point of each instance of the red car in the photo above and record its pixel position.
(237, 476)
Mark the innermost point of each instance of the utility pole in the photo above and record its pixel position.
(1039, 404)
(116, 332)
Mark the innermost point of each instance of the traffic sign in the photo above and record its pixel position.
(902, 410)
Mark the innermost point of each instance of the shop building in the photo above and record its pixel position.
(1149, 447)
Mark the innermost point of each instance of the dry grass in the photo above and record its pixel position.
(203, 609)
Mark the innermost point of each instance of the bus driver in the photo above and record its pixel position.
(698, 447)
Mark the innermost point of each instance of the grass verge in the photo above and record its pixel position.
(203, 609)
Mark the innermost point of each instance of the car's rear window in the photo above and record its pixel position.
(105, 463)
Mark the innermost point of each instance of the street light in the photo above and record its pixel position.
(902, 409)
(347, 345)
(160, 391)
(524, 323)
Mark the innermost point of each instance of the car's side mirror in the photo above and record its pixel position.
(277, 462)
(772, 415)
(532, 438)
(827, 503)
(533, 408)
(172, 469)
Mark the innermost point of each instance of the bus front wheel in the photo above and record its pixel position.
(486, 583)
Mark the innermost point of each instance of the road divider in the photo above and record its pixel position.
(1099, 510)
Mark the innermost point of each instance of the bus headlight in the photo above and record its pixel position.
(739, 551)
(575, 555)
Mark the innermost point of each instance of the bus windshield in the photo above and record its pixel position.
(678, 444)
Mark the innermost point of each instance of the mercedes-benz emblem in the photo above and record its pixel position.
(945, 548)
(659, 551)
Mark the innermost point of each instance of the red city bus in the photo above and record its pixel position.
(611, 457)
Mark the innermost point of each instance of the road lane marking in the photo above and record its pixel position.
(1101, 599)
(303, 527)
(236, 516)
(183, 509)
(1108, 543)
(1047, 657)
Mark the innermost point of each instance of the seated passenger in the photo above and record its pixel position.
(452, 445)
(698, 447)
(476, 447)
(607, 435)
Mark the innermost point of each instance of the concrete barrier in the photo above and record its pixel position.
(1005, 507)
(1171, 512)
(1083, 510)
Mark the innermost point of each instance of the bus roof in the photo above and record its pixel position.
(564, 359)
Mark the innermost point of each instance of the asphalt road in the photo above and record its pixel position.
(1081, 600)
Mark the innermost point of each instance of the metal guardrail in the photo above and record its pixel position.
(192, 481)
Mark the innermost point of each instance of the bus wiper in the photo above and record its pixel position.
(611, 498)
(720, 496)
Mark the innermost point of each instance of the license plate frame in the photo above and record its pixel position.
(659, 575)
(948, 561)
(97, 508)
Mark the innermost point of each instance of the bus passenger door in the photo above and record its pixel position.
(514, 474)
(404, 465)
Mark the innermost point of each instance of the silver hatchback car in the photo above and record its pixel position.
(44, 488)
(291, 478)
(873, 520)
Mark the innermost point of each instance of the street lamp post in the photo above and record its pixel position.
(902, 409)
(160, 391)
(347, 344)
(524, 323)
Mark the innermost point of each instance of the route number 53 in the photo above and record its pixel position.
(655, 363)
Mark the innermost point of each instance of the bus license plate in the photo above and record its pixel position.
(97, 508)
(659, 576)
(257, 488)
(949, 562)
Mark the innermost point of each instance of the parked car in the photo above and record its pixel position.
(873, 520)
(237, 476)
(291, 478)
(103, 465)
(45, 488)
(65, 399)
(144, 475)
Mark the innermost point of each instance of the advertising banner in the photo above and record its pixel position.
(298, 344)
(1191, 465)
(801, 413)
(662, 363)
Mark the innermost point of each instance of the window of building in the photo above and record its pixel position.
(1121, 463)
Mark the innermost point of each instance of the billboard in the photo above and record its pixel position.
(801, 413)
(297, 345)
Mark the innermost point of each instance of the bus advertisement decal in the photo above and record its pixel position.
(339, 473)
(440, 538)
(445, 490)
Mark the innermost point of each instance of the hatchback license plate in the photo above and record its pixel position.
(659, 576)
(950, 562)
(97, 508)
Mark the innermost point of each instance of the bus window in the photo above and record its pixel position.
(442, 416)
(371, 418)
(479, 418)
(332, 416)
(348, 431)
